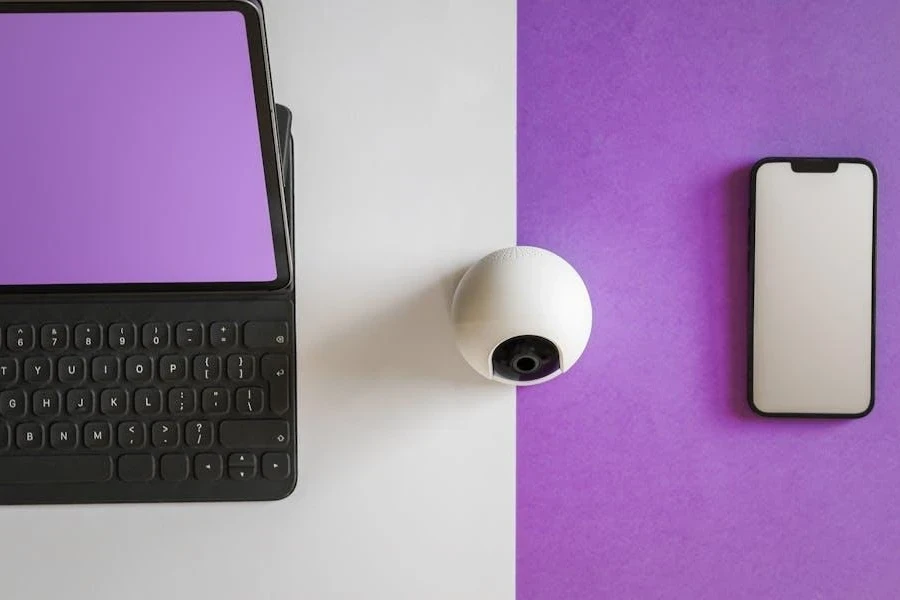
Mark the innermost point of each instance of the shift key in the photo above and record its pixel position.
(254, 434)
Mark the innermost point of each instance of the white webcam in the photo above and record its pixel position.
(521, 316)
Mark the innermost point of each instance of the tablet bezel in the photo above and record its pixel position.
(265, 110)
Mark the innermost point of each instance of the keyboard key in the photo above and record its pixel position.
(249, 401)
(97, 435)
(88, 336)
(174, 467)
(254, 434)
(207, 368)
(148, 401)
(199, 434)
(113, 402)
(37, 370)
(182, 401)
(9, 370)
(20, 338)
(72, 369)
(55, 337)
(242, 459)
(242, 466)
(173, 368)
(276, 465)
(30, 436)
(63, 436)
(241, 474)
(155, 336)
(12, 404)
(55, 469)
(241, 367)
(105, 369)
(223, 335)
(79, 402)
(274, 369)
(122, 336)
(136, 467)
(131, 434)
(45, 403)
(264, 334)
(189, 335)
(215, 401)
(138, 368)
(165, 435)
(208, 467)
(4, 436)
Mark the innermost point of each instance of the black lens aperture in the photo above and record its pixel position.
(525, 358)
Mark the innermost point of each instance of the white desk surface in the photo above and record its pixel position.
(405, 131)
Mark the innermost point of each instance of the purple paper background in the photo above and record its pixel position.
(129, 150)
(642, 473)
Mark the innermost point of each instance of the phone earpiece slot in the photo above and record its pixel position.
(814, 165)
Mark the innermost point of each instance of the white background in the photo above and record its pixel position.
(405, 132)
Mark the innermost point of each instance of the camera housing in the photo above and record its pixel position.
(521, 316)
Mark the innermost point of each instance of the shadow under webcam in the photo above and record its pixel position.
(411, 341)
(387, 375)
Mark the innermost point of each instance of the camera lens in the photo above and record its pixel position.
(526, 364)
(525, 358)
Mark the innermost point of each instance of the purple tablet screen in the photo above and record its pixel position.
(130, 151)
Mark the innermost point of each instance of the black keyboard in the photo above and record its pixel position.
(150, 410)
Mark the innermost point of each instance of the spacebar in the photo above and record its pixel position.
(55, 469)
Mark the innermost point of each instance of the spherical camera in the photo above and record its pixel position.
(521, 315)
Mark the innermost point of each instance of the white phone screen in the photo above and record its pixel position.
(813, 274)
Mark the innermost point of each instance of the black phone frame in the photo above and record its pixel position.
(808, 164)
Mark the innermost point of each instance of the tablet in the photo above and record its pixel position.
(137, 148)
(147, 308)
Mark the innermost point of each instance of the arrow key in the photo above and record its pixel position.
(242, 460)
(241, 474)
(276, 465)
(208, 467)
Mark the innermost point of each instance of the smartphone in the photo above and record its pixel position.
(812, 287)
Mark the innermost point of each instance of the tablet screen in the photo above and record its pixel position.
(131, 150)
